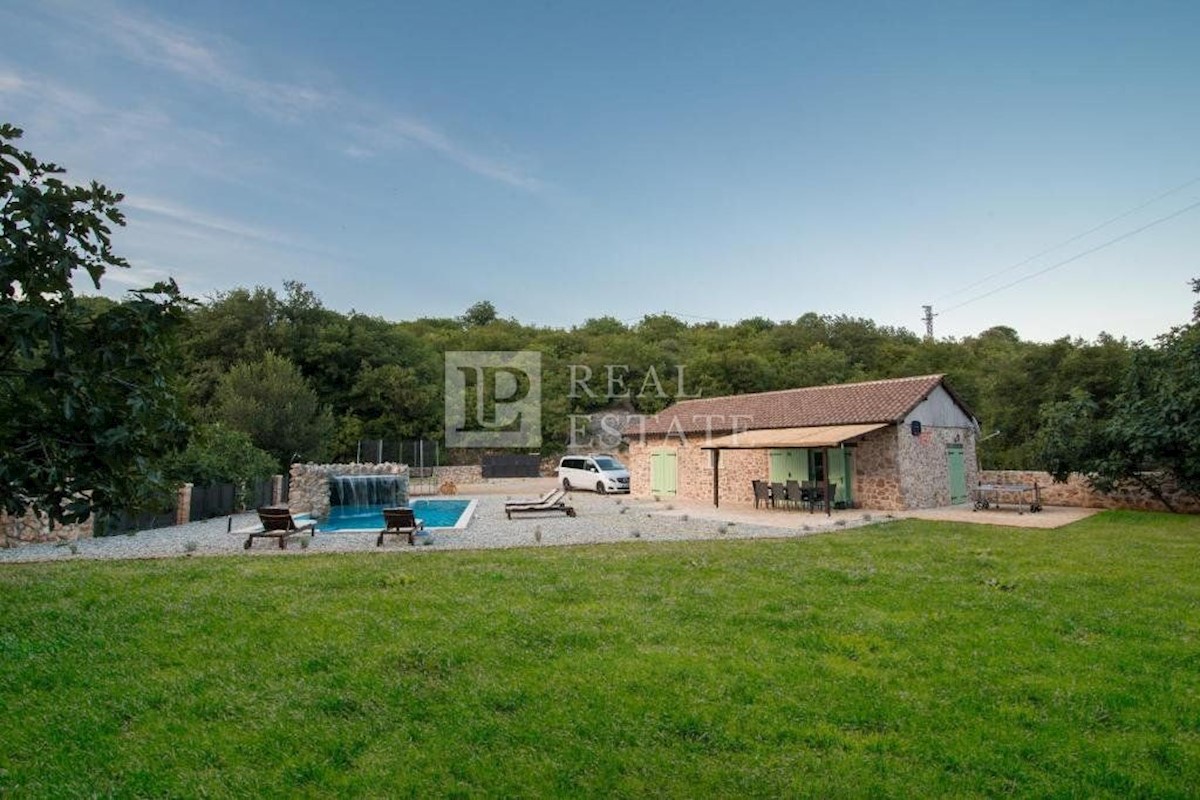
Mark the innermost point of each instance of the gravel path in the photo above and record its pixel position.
(600, 519)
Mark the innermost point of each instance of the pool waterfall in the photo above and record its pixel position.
(368, 490)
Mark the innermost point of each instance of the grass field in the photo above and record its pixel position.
(910, 658)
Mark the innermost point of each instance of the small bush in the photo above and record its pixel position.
(74, 548)
(841, 523)
(305, 540)
(723, 529)
(191, 546)
(683, 517)
(537, 534)
(635, 533)
(866, 517)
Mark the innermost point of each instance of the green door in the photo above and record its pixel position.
(840, 467)
(663, 472)
(958, 475)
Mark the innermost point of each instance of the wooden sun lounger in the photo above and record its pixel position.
(553, 496)
(278, 523)
(400, 522)
(554, 506)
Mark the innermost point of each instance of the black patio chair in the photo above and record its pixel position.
(795, 494)
(761, 493)
(778, 494)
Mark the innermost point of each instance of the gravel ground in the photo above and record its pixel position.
(600, 519)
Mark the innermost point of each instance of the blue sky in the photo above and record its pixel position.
(567, 161)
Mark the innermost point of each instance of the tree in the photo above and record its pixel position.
(217, 454)
(1151, 434)
(87, 404)
(480, 314)
(270, 400)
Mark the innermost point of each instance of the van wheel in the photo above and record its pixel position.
(566, 484)
(599, 487)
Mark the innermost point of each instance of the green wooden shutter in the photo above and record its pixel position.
(958, 475)
(663, 472)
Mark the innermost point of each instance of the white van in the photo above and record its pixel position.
(599, 472)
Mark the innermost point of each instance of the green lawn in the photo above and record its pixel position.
(910, 658)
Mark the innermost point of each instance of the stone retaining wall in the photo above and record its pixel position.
(459, 474)
(309, 487)
(32, 529)
(1078, 493)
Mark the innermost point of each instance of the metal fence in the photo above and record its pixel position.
(417, 453)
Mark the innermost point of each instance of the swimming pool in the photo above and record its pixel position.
(434, 513)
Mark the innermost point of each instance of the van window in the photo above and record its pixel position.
(608, 464)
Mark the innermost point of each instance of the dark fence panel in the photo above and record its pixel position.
(125, 522)
(260, 494)
(287, 488)
(216, 500)
(511, 466)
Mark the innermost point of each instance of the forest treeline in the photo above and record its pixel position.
(361, 376)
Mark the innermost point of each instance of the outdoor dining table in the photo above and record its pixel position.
(810, 495)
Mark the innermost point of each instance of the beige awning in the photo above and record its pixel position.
(817, 436)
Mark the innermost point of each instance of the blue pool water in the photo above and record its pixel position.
(434, 513)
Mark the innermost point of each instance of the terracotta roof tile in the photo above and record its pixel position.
(841, 404)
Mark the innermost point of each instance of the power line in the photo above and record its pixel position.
(1077, 256)
(1075, 238)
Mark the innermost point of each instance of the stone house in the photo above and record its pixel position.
(888, 444)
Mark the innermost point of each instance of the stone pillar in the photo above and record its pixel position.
(183, 504)
(276, 490)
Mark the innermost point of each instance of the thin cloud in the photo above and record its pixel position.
(167, 46)
(397, 131)
(213, 62)
(136, 276)
(198, 219)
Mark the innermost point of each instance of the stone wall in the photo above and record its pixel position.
(1076, 492)
(32, 529)
(459, 474)
(309, 488)
(925, 469)
(694, 474)
(877, 482)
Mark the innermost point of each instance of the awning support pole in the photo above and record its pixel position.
(828, 494)
(716, 478)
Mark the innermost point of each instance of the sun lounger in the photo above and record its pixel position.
(553, 496)
(555, 504)
(278, 523)
(400, 522)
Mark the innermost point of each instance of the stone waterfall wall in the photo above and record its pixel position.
(309, 489)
